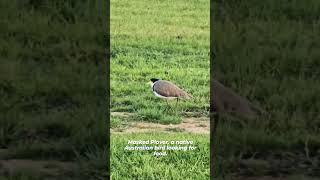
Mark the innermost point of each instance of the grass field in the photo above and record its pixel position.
(53, 99)
(166, 40)
(144, 165)
(53, 96)
(159, 40)
(268, 51)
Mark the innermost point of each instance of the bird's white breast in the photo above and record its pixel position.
(163, 97)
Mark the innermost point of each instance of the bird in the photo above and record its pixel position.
(225, 100)
(168, 90)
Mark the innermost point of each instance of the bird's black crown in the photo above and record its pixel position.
(154, 80)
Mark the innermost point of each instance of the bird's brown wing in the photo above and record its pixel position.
(225, 100)
(168, 89)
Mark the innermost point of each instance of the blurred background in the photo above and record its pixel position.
(268, 52)
(53, 89)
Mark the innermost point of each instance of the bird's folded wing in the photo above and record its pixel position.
(168, 89)
(225, 100)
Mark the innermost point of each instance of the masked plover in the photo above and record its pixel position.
(225, 101)
(167, 90)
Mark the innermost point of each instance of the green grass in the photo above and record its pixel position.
(166, 40)
(51, 64)
(268, 52)
(144, 165)
(159, 39)
(154, 115)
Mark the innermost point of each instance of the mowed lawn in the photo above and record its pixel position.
(165, 40)
(159, 39)
(126, 165)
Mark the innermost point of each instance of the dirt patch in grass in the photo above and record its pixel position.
(197, 125)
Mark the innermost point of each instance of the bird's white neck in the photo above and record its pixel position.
(151, 84)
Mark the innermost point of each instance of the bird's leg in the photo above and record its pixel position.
(177, 102)
(166, 106)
